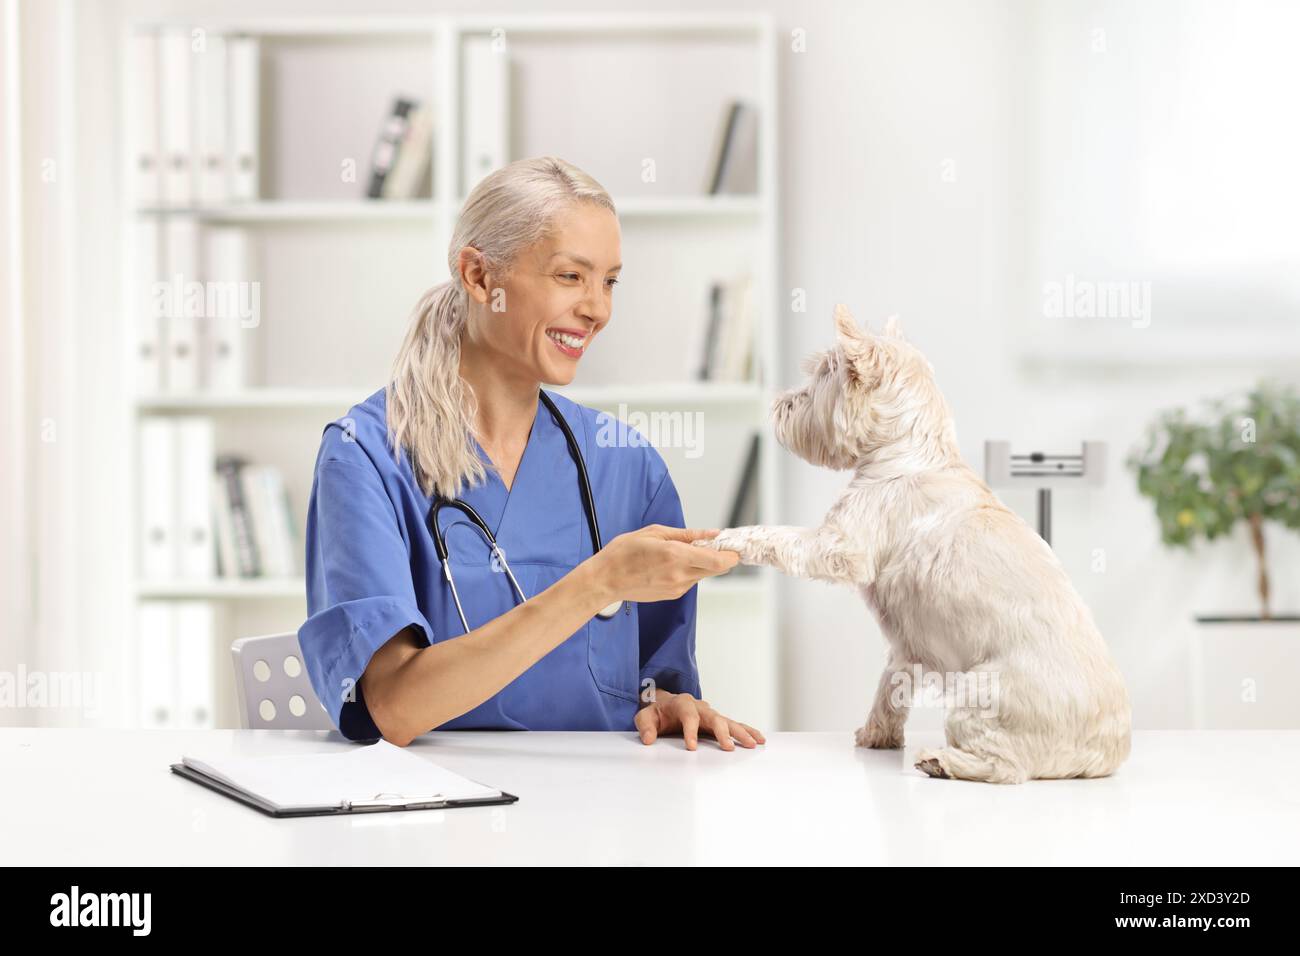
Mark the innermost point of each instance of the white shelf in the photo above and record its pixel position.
(223, 589)
(657, 395)
(359, 210)
(666, 394)
(594, 24)
(261, 399)
(682, 207)
(406, 210)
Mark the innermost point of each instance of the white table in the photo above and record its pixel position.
(84, 797)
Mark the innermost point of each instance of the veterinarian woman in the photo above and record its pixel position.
(550, 632)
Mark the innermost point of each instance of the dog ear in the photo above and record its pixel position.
(862, 365)
(893, 328)
(859, 348)
(850, 335)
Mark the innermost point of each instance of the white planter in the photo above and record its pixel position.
(1246, 675)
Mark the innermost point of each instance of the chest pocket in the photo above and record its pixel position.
(614, 652)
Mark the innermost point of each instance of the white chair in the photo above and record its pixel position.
(272, 685)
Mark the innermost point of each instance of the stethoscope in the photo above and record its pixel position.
(588, 503)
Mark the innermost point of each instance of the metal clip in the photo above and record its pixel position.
(381, 801)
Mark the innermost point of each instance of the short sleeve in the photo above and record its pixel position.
(360, 591)
(667, 628)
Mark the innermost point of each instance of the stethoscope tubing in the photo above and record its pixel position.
(589, 505)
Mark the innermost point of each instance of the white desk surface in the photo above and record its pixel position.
(106, 797)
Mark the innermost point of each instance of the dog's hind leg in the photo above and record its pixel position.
(949, 762)
(978, 749)
(884, 727)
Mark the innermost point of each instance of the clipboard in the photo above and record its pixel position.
(380, 803)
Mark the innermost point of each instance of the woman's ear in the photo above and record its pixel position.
(473, 274)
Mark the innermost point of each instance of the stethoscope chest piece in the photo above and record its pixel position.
(609, 610)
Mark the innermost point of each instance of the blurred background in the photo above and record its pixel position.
(217, 217)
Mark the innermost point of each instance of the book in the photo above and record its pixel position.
(174, 667)
(192, 644)
(485, 138)
(150, 324)
(243, 90)
(726, 353)
(744, 503)
(228, 346)
(384, 155)
(145, 148)
(177, 118)
(735, 155)
(212, 152)
(278, 529)
(182, 372)
(196, 551)
(223, 523)
(155, 687)
(246, 563)
(253, 521)
(158, 550)
(410, 174)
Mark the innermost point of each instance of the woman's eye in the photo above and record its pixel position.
(612, 282)
(568, 275)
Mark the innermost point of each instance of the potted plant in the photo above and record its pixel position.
(1237, 464)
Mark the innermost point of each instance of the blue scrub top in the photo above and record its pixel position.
(372, 570)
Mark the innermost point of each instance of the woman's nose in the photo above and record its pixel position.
(595, 310)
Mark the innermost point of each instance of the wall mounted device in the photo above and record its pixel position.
(1043, 472)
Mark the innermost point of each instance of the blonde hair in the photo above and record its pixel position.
(430, 408)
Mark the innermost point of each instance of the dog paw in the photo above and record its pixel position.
(876, 737)
(929, 764)
(725, 540)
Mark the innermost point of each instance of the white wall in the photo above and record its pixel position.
(1006, 98)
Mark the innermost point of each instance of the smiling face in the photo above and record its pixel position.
(537, 321)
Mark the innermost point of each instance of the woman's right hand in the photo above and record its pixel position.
(658, 563)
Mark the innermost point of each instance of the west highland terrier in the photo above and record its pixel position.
(961, 586)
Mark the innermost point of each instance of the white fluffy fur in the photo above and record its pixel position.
(959, 583)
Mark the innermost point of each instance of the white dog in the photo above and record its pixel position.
(962, 587)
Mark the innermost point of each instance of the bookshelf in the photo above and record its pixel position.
(378, 255)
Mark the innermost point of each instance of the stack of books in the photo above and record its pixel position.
(204, 516)
(400, 166)
(197, 308)
(254, 523)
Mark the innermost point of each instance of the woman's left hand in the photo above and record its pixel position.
(669, 713)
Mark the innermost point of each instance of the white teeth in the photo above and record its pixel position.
(571, 341)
